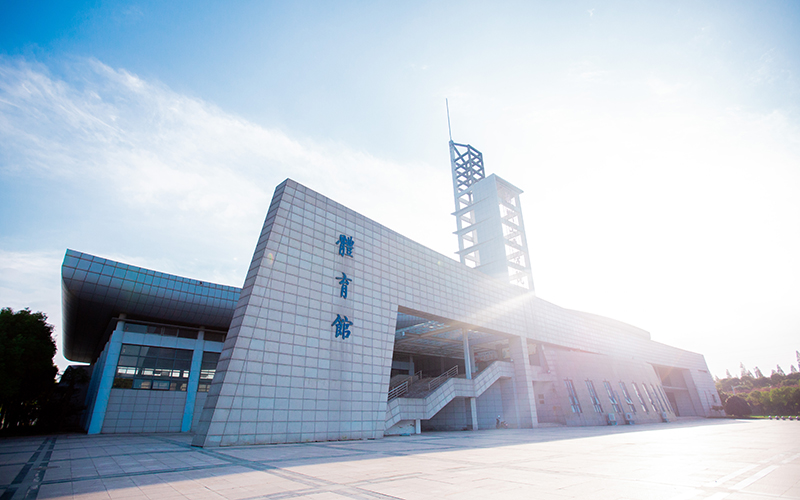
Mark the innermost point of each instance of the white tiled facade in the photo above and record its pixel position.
(284, 375)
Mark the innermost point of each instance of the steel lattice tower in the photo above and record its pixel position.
(489, 226)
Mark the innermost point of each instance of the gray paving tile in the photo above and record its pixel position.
(684, 460)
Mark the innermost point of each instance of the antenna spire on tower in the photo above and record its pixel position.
(450, 132)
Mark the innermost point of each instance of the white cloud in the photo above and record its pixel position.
(187, 185)
(166, 154)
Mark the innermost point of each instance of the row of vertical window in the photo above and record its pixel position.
(161, 368)
(656, 398)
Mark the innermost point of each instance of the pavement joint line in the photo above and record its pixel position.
(22, 482)
(728, 477)
(285, 474)
(71, 459)
(365, 495)
(790, 459)
(772, 458)
(12, 488)
(119, 475)
(288, 459)
(755, 477)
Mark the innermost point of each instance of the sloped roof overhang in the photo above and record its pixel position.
(95, 291)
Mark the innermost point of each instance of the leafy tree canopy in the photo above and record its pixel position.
(27, 372)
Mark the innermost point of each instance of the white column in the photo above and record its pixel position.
(473, 406)
(467, 357)
(523, 382)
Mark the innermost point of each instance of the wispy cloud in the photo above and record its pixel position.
(588, 72)
(766, 71)
(170, 155)
(188, 183)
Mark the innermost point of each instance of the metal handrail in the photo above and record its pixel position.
(441, 379)
(398, 391)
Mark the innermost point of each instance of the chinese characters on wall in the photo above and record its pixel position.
(342, 322)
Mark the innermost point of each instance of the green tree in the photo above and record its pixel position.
(27, 373)
(776, 378)
(785, 400)
(757, 401)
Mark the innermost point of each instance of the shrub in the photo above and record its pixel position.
(737, 406)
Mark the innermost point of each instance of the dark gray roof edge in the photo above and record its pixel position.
(96, 289)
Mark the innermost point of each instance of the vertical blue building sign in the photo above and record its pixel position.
(343, 323)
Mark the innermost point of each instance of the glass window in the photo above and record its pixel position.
(207, 370)
(573, 397)
(612, 396)
(627, 397)
(187, 333)
(166, 331)
(153, 368)
(214, 336)
(598, 408)
(639, 395)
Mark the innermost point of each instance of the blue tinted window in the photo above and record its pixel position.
(157, 368)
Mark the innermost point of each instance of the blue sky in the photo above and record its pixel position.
(658, 145)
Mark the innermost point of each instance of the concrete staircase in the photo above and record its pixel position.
(422, 404)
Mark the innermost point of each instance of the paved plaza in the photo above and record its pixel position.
(683, 460)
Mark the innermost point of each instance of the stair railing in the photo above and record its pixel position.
(441, 379)
(398, 391)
